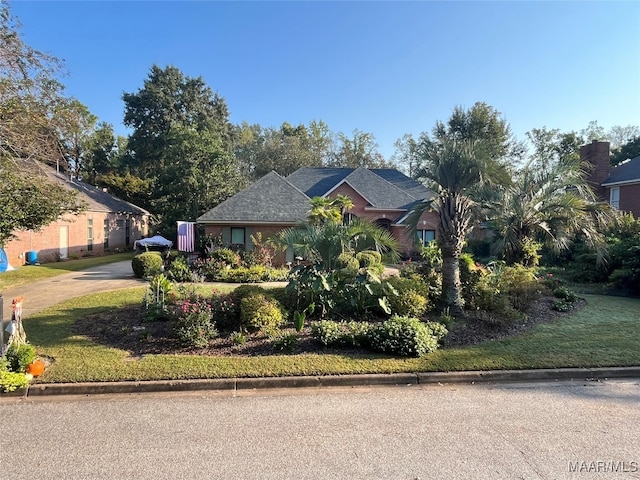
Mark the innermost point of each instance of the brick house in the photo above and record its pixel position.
(273, 203)
(619, 185)
(106, 224)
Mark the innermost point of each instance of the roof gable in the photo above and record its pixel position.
(270, 199)
(382, 188)
(376, 190)
(626, 172)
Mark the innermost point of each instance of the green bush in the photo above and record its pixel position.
(18, 357)
(226, 256)
(405, 336)
(147, 264)
(225, 311)
(194, 325)
(10, 381)
(563, 293)
(408, 303)
(243, 291)
(369, 258)
(179, 270)
(339, 334)
(262, 313)
(285, 343)
(347, 264)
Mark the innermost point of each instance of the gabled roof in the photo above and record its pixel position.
(382, 187)
(96, 199)
(628, 172)
(270, 199)
(376, 190)
(274, 199)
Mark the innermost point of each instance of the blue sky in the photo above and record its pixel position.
(388, 68)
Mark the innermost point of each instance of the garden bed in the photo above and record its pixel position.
(127, 329)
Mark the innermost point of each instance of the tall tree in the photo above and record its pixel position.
(463, 161)
(29, 96)
(181, 132)
(359, 150)
(626, 151)
(75, 128)
(260, 150)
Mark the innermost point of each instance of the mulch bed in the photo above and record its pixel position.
(127, 329)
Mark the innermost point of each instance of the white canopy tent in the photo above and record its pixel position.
(156, 242)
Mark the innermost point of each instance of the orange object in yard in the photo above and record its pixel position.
(36, 368)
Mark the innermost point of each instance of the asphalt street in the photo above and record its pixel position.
(505, 431)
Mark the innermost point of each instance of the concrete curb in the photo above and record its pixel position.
(265, 383)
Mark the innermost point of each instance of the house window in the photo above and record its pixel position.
(426, 236)
(90, 234)
(237, 236)
(614, 197)
(106, 233)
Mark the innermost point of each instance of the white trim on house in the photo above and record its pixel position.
(625, 182)
(354, 189)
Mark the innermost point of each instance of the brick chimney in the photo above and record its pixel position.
(597, 155)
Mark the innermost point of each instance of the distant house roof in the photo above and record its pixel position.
(274, 199)
(628, 172)
(271, 199)
(97, 199)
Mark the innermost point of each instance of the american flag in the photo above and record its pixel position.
(186, 236)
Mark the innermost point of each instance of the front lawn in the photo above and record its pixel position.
(606, 332)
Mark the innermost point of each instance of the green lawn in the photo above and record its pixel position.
(33, 273)
(605, 333)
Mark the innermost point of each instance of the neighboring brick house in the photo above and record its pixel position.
(619, 185)
(106, 224)
(273, 203)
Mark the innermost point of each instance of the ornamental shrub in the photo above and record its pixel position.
(193, 323)
(262, 313)
(408, 303)
(10, 381)
(18, 357)
(339, 334)
(406, 336)
(225, 311)
(227, 256)
(179, 270)
(147, 264)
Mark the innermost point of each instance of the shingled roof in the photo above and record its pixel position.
(271, 199)
(628, 172)
(95, 198)
(274, 199)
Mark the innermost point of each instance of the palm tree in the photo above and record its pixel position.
(328, 210)
(548, 204)
(456, 170)
(323, 244)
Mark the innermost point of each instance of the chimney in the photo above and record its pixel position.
(598, 156)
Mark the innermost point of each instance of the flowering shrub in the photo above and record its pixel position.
(225, 309)
(194, 325)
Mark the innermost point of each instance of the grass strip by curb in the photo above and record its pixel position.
(605, 333)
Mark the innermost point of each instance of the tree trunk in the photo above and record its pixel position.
(451, 287)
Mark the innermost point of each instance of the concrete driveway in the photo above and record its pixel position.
(46, 293)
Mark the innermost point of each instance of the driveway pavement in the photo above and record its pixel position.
(46, 293)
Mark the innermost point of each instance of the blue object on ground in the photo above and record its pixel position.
(32, 257)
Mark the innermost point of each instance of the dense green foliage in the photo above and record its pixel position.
(147, 264)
